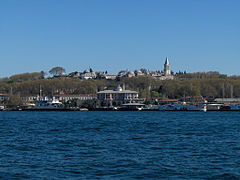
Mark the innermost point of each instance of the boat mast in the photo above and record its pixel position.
(40, 91)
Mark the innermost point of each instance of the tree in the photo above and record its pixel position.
(143, 70)
(43, 74)
(154, 94)
(196, 91)
(27, 76)
(57, 71)
(143, 94)
(14, 100)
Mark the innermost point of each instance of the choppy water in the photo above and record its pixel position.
(120, 145)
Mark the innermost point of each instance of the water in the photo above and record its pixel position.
(120, 145)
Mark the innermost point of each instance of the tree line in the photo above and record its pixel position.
(208, 85)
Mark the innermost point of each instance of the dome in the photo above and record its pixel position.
(119, 88)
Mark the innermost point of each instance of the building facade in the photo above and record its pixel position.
(29, 98)
(4, 98)
(69, 97)
(116, 97)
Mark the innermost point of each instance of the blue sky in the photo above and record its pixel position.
(113, 35)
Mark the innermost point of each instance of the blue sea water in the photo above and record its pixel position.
(120, 145)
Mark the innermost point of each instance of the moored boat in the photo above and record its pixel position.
(2, 108)
(234, 107)
(183, 106)
(45, 104)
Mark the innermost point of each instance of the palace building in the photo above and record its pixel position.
(117, 96)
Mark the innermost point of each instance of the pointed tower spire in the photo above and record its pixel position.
(167, 71)
(167, 62)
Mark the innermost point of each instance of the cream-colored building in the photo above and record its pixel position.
(116, 97)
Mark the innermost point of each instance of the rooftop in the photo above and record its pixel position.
(117, 92)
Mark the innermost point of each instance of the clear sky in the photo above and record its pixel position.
(114, 35)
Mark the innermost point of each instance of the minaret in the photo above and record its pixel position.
(167, 71)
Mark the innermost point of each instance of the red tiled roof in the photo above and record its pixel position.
(29, 95)
(168, 100)
(72, 95)
(4, 94)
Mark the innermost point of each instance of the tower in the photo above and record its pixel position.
(167, 71)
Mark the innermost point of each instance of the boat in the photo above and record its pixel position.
(150, 107)
(123, 107)
(183, 106)
(234, 107)
(131, 107)
(2, 108)
(45, 104)
(223, 107)
(103, 109)
(48, 104)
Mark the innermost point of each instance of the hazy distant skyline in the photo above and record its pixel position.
(118, 35)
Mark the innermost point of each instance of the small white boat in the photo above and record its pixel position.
(2, 108)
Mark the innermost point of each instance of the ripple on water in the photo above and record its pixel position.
(119, 145)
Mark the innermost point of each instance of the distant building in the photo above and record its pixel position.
(88, 74)
(82, 97)
(4, 97)
(74, 74)
(155, 74)
(227, 100)
(110, 76)
(139, 73)
(102, 75)
(122, 73)
(29, 98)
(116, 97)
(130, 74)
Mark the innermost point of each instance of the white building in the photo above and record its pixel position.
(139, 73)
(69, 97)
(116, 97)
(29, 98)
(88, 74)
(4, 97)
(110, 76)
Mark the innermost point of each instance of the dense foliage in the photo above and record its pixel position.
(211, 84)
